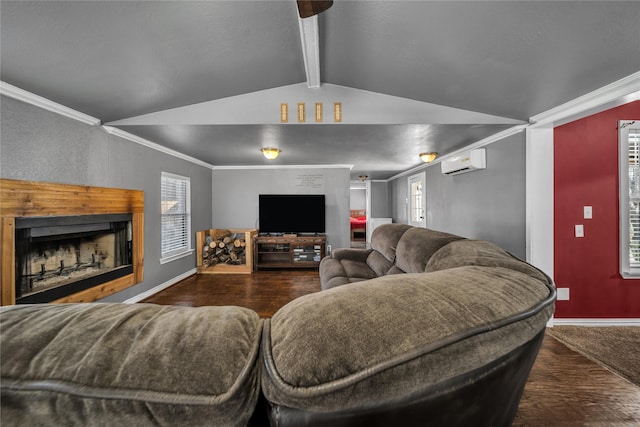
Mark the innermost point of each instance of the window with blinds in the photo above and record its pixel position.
(175, 216)
(629, 165)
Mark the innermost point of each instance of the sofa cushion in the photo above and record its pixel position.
(395, 270)
(482, 253)
(378, 263)
(417, 245)
(384, 239)
(357, 270)
(358, 346)
(354, 254)
(346, 266)
(128, 364)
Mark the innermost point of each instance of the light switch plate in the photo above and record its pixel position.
(579, 230)
(588, 212)
(562, 294)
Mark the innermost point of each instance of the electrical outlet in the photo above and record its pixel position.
(562, 294)
(588, 212)
(328, 249)
(579, 230)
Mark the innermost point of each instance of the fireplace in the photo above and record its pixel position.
(60, 256)
(68, 243)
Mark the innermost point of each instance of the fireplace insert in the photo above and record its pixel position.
(60, 256)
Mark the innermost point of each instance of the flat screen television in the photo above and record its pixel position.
(291, 213)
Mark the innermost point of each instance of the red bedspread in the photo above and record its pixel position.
(360, 222)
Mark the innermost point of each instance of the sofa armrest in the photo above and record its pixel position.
(352, 254)
(374, 343)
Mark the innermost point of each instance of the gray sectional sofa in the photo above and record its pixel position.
(424, 328)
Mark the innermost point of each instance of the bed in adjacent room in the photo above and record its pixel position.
(358, 224)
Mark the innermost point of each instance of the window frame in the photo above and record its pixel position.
(186, 248)
(628, 270)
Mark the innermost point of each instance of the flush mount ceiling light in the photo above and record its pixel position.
(270, 153)
(428, 157)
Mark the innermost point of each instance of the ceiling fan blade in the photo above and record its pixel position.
(307, 8)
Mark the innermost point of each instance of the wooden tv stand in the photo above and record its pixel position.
(288, 251)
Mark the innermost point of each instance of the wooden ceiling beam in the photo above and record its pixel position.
(308, 8)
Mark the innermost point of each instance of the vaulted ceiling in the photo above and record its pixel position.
(412, 76)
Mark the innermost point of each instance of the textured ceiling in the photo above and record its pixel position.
(116, 60)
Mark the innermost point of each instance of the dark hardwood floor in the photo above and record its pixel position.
(564, 388)
(263, 291)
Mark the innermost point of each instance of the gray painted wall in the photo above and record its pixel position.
(39, 145)
(235, 196)
(488, 204)
(379, 199)
(358, 198)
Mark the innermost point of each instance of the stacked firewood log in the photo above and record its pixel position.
(224, 247)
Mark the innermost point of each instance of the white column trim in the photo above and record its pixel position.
(539, 189)
(310, 41)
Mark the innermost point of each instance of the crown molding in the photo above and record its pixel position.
(350, 167)
(30, 98)
(263, 107)
(617, 93)
(14, 92)
(478, 144)
(138, 140)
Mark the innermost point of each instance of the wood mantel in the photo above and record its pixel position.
(39, 199)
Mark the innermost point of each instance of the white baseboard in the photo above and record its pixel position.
(160, 287)
(595, 322)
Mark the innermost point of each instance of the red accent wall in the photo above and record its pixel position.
(586, 174)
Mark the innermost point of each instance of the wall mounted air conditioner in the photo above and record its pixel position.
(465, 162)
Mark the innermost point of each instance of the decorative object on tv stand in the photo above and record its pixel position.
(428, 157)
(270, 152)
(363, 178)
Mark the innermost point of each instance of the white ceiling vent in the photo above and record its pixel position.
(465, 162)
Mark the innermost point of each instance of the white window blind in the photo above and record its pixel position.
(175, 215)
(629, 169)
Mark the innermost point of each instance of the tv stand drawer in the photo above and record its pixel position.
(301, 251)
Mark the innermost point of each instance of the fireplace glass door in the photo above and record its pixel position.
(60, 256)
